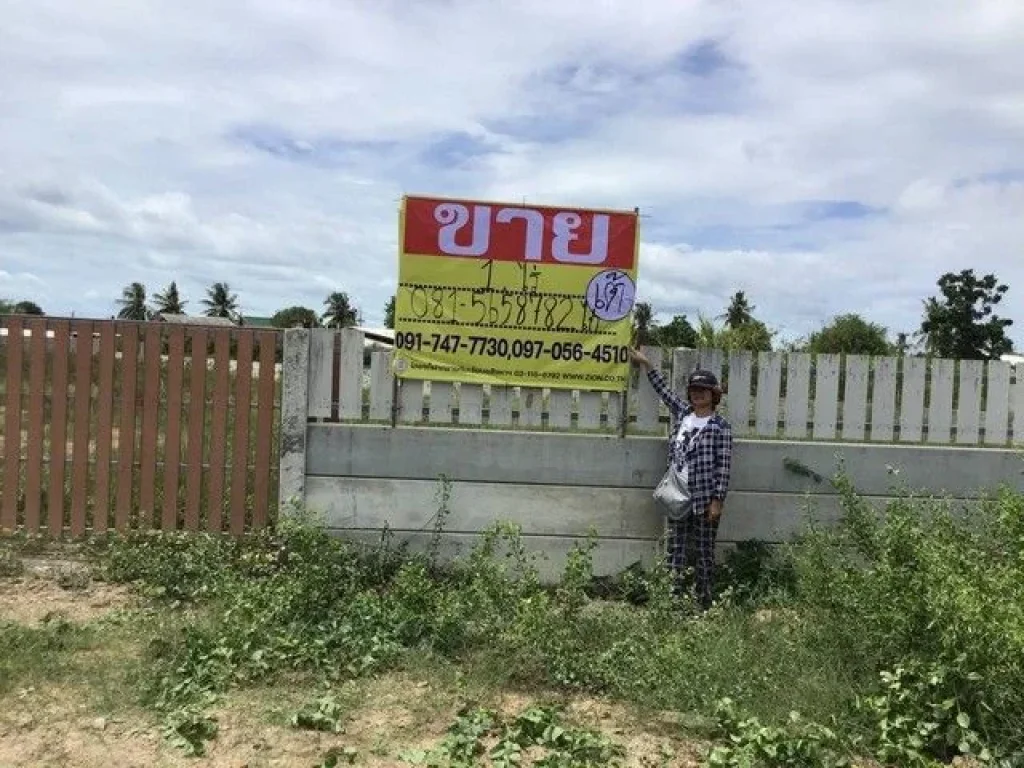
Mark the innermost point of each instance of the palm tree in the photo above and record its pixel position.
(339, 313)
(643, 318)
(221, 302)
(169, 302)
(133, 303)
(739, 312)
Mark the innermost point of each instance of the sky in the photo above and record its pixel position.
(824, 156)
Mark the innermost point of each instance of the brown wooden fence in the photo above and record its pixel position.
(130, 425)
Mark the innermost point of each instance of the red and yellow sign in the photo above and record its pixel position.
(499, 293)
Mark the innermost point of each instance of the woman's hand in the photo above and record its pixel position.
(714, 510)
(638, 357)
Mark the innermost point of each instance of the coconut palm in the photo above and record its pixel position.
(221, 302)
(739, 311)
(643, 319)
(133, 303)
(339, 313)
(170, 302)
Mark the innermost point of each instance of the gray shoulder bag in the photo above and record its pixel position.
(673, 492)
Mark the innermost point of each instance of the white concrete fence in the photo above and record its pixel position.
(369, 452)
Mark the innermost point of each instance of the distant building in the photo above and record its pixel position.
(219, 322)
(251, 321)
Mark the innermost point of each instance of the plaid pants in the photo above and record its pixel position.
(704, 533)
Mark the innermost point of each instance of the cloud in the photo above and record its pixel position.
(842, 162)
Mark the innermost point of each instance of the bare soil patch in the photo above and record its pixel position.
(38, 595)
(78, 722)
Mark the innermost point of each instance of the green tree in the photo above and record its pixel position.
(339, 313)
(850, 334)
(643, 324)
(676, 333)
(962, 324)
(221, 302)
(295, 317)
(169, 302)
(389, 313)
(753, 336)
(739, 312)
(133, 303)
(23, 307)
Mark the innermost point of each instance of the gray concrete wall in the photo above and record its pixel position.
(559, 486)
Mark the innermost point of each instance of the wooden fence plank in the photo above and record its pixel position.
(240, 442)
(589, 410)
(350, 375)
(499, 411)
(321, 371)
(266, 401)
(684, 362)
(915, 370)
(737, 399)
(940, 406)
(617, 410)
(15, 344)
(560, 409)
(997, 403)
(648, 403)
(440, 410)
(769, 380)
(150, 415)
(711, 360)
(382, 389)
(80, 437)
(410, 401)
(531, 406)
(104, 428)
(129, 333)
(172, 428)
(855, 397)
(36, 424)
(218, 430)
(968, 409)
(471, 404)
(196, 430)
(825, 416)
(798, 381)
(58, 427)
(883, 399)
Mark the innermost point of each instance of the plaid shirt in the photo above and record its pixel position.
(707, 457)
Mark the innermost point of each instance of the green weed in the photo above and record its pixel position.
(898, 634)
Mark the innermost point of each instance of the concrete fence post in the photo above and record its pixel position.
(294, 415)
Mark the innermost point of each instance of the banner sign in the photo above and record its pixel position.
(498, 293)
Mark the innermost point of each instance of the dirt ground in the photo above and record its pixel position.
(91, 721)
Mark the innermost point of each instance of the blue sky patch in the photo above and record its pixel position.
(822, 210)
(703, 59)
(454, 149)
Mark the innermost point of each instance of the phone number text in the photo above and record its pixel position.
(510, 349)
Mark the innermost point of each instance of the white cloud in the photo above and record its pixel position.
(138, 142)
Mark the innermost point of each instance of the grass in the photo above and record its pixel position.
(895, 637)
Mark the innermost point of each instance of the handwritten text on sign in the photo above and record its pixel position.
(508, 294)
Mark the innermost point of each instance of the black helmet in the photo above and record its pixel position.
(703, 380)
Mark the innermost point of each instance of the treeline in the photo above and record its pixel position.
(960, 322)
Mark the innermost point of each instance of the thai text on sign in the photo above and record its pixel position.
(497, 293)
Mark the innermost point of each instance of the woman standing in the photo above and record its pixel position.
(700, 450)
